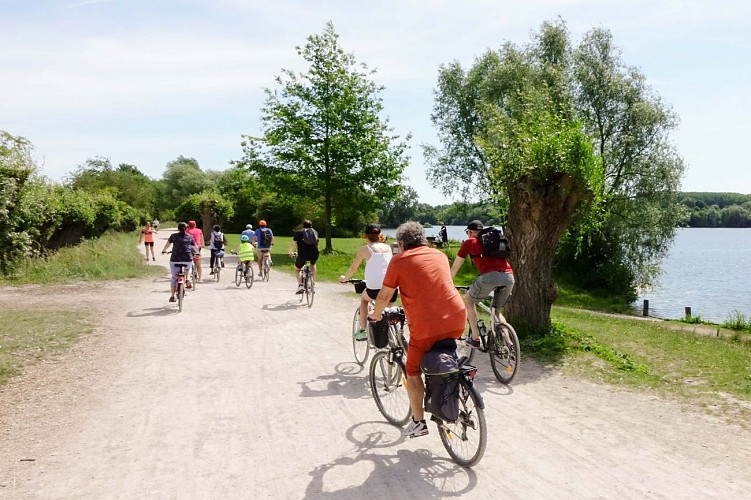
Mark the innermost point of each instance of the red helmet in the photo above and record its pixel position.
(191, 224)
(261, 222)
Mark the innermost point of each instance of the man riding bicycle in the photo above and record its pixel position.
(494, 272)
(197, 235)
(433, 307)
(217, 243)
(263, 238)
(306, 241)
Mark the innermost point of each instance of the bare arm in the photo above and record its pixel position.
(359, 257)
(384, 296)
(458, 261)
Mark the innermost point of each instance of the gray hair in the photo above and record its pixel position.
(411, 234)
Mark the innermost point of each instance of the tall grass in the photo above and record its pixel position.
(113, 256)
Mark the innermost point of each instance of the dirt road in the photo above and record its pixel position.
(245, 394)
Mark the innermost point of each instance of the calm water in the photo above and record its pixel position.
(708, 270)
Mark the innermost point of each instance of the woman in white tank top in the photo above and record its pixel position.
(377, 256)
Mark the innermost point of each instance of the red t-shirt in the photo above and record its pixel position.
(473, 247)
(197, 235)
(433, 306)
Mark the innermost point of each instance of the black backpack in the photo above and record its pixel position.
(441, 369)
(218, 240)
(494, 243)
(265, 237)
(309, 236)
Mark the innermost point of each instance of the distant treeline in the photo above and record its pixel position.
(717, 209)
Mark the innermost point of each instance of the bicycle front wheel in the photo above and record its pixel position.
(194, 278)
(238, 276)
(462, 348)
(504, 352)
(361, 348)
(249, 276)
(388, 386)
(465, 439)
(266, 270)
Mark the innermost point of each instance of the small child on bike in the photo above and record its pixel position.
(244, 251)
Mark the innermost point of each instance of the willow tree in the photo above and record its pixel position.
(510, 132)
(323, 140)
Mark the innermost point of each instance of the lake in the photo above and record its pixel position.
(707, 269)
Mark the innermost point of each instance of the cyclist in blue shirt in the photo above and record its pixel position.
(263, 239)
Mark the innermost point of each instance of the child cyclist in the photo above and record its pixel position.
(245, 251)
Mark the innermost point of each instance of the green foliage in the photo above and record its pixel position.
(323, 140)
(717, 209)
(737, 321)
(182, 178)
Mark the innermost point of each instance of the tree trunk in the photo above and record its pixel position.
(538, 216)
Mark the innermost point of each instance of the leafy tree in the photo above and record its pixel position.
(567, 141)
(323, 139)
(209, 207)
(182, 178)
(510, 126)
(401, 208)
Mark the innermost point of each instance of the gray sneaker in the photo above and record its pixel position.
(416, 429)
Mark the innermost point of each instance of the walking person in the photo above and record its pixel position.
(183, 248)
(494, 272)
(377, 256)
(306, 242)
(433, 307)
(147, 237)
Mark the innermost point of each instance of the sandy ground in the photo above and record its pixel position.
(245, 394)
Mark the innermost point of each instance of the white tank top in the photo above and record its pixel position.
(375, 268)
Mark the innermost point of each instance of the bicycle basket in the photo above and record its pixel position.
(379, 332)
(360, 287)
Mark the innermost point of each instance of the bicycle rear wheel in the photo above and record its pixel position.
(361, 348)
(310, 291)
(180, 295)
(238, 275)
(465, 439)
(249, 276)
(266, 270)
(462, 348)
(387, 384)
(193, 277)
(504, 352)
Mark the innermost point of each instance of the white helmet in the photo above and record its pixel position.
(249, 226)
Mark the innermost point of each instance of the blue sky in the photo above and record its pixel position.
(143, 82)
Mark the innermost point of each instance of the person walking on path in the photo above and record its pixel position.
(494, 272)
(183, 249)
(306, 242)
(377, 256)
(433, 307)
(147, 238)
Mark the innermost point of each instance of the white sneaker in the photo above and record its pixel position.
(300, 290)
(416, 429)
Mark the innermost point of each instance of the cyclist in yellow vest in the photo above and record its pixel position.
(245, 250)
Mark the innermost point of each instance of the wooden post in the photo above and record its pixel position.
(688, 312)
(645, 308)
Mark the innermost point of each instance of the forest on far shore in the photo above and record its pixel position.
(717, 209)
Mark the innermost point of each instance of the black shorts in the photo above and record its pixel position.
(306, 257)
(149, 244)
(374, 293)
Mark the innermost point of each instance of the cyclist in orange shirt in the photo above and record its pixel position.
(434, 309)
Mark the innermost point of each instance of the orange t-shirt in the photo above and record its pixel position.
(148, 235)
(433, 307)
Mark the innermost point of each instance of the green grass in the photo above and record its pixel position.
(645, 354)
(30, 335)
(113, 256)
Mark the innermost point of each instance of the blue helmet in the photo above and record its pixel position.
(244, 237)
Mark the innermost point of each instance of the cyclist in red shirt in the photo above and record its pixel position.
(494, 271)
(197, 235)
(433, 307)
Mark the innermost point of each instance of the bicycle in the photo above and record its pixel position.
(265, 267)
(180, 288)
(306, 280)
(244, 272)
(361, 348)
(218, 265)
(465, 438)
(500, 342)
(194, 275)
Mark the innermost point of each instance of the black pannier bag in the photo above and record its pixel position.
(441, 369)
(379, 332)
